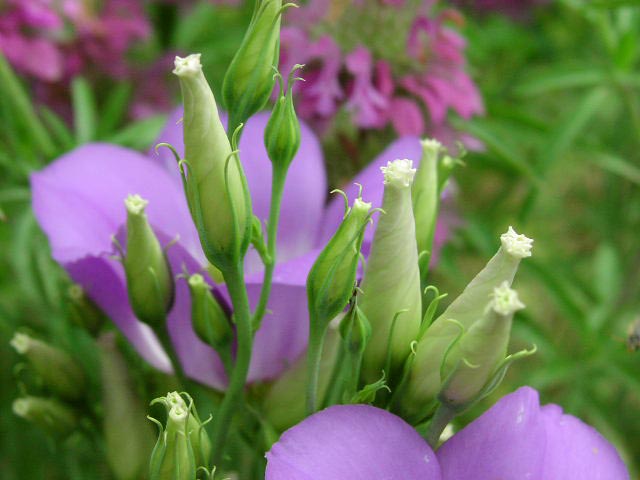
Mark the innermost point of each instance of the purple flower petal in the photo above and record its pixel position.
(351, 442)
(516, 440)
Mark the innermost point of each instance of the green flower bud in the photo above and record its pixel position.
(149, 279)
(216, 192)
(474, 359)
(127, 434)
(249, 80)
(391, 282)
(355, 330)
(198, 437)
(83, 311)
(57, 369)
(426, 198)
(173, 456)
(282, 134)
(425, 380)
(209, 319)
(332, 278)
(52, 416)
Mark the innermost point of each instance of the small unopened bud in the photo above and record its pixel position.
(332, 278)
(425, 380)
(83, 311)
(249, 80)
(149, 279)
(391, 282)
(51, 415)
(282, 134)
(217, 199)
(355, 330)
(209, 319)
(481, 349)
(426, 198)
(59, 372)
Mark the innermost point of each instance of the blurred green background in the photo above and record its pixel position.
(561, 161)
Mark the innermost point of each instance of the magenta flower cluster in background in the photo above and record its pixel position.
(387, 62)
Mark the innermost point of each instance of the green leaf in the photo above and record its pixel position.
(611, 162)
(84, 110)
(139, 135)
(562, 79)
(115, 108)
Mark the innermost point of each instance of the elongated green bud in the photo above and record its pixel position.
(391, 282)
(57, 369)
(332, 278)
(209, 319)
(473, 361)
(149, 280)
(249, 80)
(426, 198)
(173, 456)
(52, 416)
(282, 134)
(83, 311)
(425, 379)
(355, 330)
(198, 437)
(128, 435)
(220, 206)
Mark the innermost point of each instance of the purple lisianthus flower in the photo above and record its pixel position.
(516, 439)
(78, 202)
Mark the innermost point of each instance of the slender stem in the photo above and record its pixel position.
(167, 344)
(336, 383)
(440, 420)
(234, 279)
(277, 187)
(314, 356)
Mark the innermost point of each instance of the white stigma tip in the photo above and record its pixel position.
(178, 413)
(135, 204)
(20, 407)
(431, 145)
(359, 204)
(399, 173)
(175, 400)
(196, 280)
(516, 244)
(505, 301)
(20, 342)
(187, 66)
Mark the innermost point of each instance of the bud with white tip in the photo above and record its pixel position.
(53, 416)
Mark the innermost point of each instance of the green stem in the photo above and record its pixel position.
(314, 356)
(440, 420)
(167, 344)
(234, 279)
(277, 187)
(336, 384)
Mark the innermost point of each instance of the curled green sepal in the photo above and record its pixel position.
(368, 393)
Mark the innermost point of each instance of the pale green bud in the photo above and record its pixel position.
(425, 379)
(59, 372)
(149, 279)
(249, 80)
(391, 282)
(128, 435)
(83, 311)
(52, 416)
(481, 349)
(173, 456)
(332, 278)
(426, 198)
(355, 330)
(219, 203)
(207, 316)
(282, 134)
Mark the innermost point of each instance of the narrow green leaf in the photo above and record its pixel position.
(616, 165)
(84, 110)
(139, 135)
(562, 79)
(115, 108)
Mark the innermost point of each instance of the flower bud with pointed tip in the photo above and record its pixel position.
(83, 311)
(481, 349)
(249, 80)
(425, 195)
(57, 369)
(332, 278)
(282, 134)
(51, 415)
(220, 207)
(149, 279)
(425, 381)
(207, 316)
(391, 282)
(355, 330)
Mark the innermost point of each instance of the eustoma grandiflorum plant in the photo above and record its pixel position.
(383, 375)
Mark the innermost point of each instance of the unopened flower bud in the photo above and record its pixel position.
(83, 311)
(282, 134)
(220, 206)
(473, 362)
(49, 414)
(425, 380)
(391, 282)
(426, 196)
(149, 279)
(128, 435)
(249, 80)
(209, 319)
(57, 369)
(355, 330)
(332, 278)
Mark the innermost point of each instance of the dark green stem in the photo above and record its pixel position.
(277, 187)
(314, 356)
(167, 344)
(440, 420)
(234, 279)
